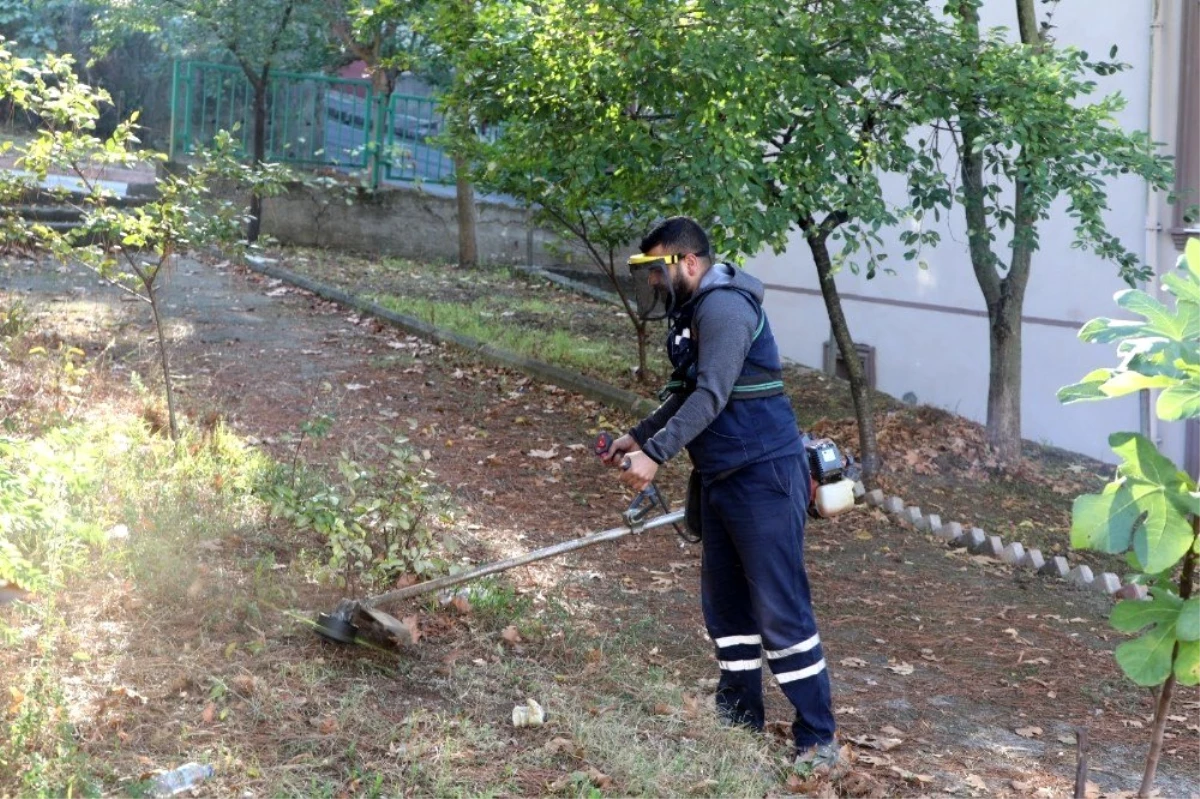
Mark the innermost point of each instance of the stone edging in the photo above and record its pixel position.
(974, 540)
(566, 282)
(978, 542)
(587, 386)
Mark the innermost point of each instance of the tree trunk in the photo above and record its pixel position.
(1186, 577)
(1004, 297)
(1027, 23)
(259, 154)
(859, 390)
(1004, 379)
(640, 327)
(381, 88)
(467, 251)
(163, 354)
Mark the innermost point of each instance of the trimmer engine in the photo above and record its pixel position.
(832, 484)
(825, 462)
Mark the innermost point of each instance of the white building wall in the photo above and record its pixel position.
(929, 327)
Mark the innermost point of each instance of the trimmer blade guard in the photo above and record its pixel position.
(339, 626)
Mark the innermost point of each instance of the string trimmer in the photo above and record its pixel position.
(343, 624)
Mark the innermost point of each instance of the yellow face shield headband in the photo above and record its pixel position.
(647, 261)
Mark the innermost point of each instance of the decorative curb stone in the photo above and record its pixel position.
(1056, 567)
(1033, 560)
(893, 505)
(975, 540)
(875, 498)
(1108, 583)
(951, 533)
(994, 547)
(912, 515)
(933, 524)
(1014, 554)
(1081, 576)
(1132, 591)
(859, 490)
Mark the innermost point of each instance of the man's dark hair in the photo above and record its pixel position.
(677, 234)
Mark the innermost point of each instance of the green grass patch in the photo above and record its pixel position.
(541, 337)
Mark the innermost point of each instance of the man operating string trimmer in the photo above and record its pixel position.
(725, 403)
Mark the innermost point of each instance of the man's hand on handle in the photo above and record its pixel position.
(637, 470)
(640, 471)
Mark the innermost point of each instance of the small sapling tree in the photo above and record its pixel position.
(1151, 511)
(129, 246)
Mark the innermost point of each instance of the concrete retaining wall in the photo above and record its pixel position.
(412, 223)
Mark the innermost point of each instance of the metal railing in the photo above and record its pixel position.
(312, 121)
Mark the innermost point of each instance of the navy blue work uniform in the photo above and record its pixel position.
(754, 497)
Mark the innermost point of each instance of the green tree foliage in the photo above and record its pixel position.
(759, 118)
(1024, 130)
(128, 246)
(1151, 511)
(259, 37)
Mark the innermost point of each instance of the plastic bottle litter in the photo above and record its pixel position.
(181, 779)
(529, 714)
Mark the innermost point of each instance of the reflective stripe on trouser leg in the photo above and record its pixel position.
(760, 511)
(728, 616)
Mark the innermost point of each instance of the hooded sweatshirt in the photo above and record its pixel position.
(724, 323)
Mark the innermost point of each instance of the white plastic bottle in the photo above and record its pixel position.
(835, 498)
(181, 779)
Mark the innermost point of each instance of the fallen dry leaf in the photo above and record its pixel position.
(902, 668)
(328, 725)
(461, 604)
(976, 782)
(854, 663)
(875, 760)
(510, 634)
(566, 745)
(209, 713)
(875, 742)
(862, 786)
(892, 731)
(127, 693)
(703, 787)
(599, 778)
(909, 776)
(16, 697)
(544, 453)
(1028, 732)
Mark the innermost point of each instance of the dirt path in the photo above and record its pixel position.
(980, 673)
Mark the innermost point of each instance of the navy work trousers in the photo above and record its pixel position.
(755, 595)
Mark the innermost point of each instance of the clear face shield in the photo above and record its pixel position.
(652, 285)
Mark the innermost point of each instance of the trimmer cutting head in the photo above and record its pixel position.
(339, 626)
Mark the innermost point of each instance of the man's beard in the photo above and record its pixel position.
(682, 293)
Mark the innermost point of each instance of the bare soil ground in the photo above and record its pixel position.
(975, 674)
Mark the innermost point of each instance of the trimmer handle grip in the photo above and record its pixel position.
(603, 444)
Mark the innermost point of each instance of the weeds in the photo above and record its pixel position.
(373, 521)
(38, 749)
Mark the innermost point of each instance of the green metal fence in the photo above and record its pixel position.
(311, 121)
